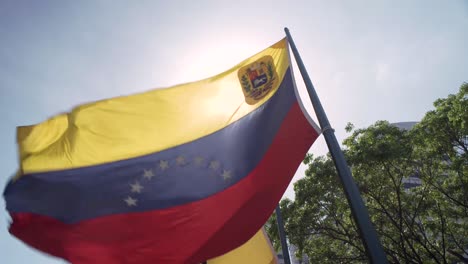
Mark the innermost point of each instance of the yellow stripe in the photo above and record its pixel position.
(135, 125)
(257, 250)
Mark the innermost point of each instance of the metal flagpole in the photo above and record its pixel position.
(282, 235)
(360, 214)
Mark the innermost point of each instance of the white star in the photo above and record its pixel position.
(180, 160)
(163, 164)
(226, 175)
(214, 165)
(199, 161)
(136, 187)
(130, 201)
(148, 174)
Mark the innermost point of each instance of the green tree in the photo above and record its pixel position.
(423, 224)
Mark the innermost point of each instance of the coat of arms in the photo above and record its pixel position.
(258, 78)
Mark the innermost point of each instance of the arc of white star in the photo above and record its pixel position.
(131, 201)
(199, 161)
(136, 187)
(163, 164)
(148, 174)
(180, 160)
(214, 165)
(226, 175)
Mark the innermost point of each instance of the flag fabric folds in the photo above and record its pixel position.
(257, 250)
(174, 175)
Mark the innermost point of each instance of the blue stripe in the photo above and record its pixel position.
(84, 193)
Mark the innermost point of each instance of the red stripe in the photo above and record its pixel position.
(190, 233)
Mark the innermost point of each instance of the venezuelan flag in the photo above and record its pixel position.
(174, 175)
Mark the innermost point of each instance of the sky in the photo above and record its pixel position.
(368, 60)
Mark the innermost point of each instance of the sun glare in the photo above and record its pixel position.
(213, 56)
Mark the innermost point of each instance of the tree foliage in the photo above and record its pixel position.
(427, 223)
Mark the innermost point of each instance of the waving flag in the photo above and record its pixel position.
(257, 250)
(175, 175)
